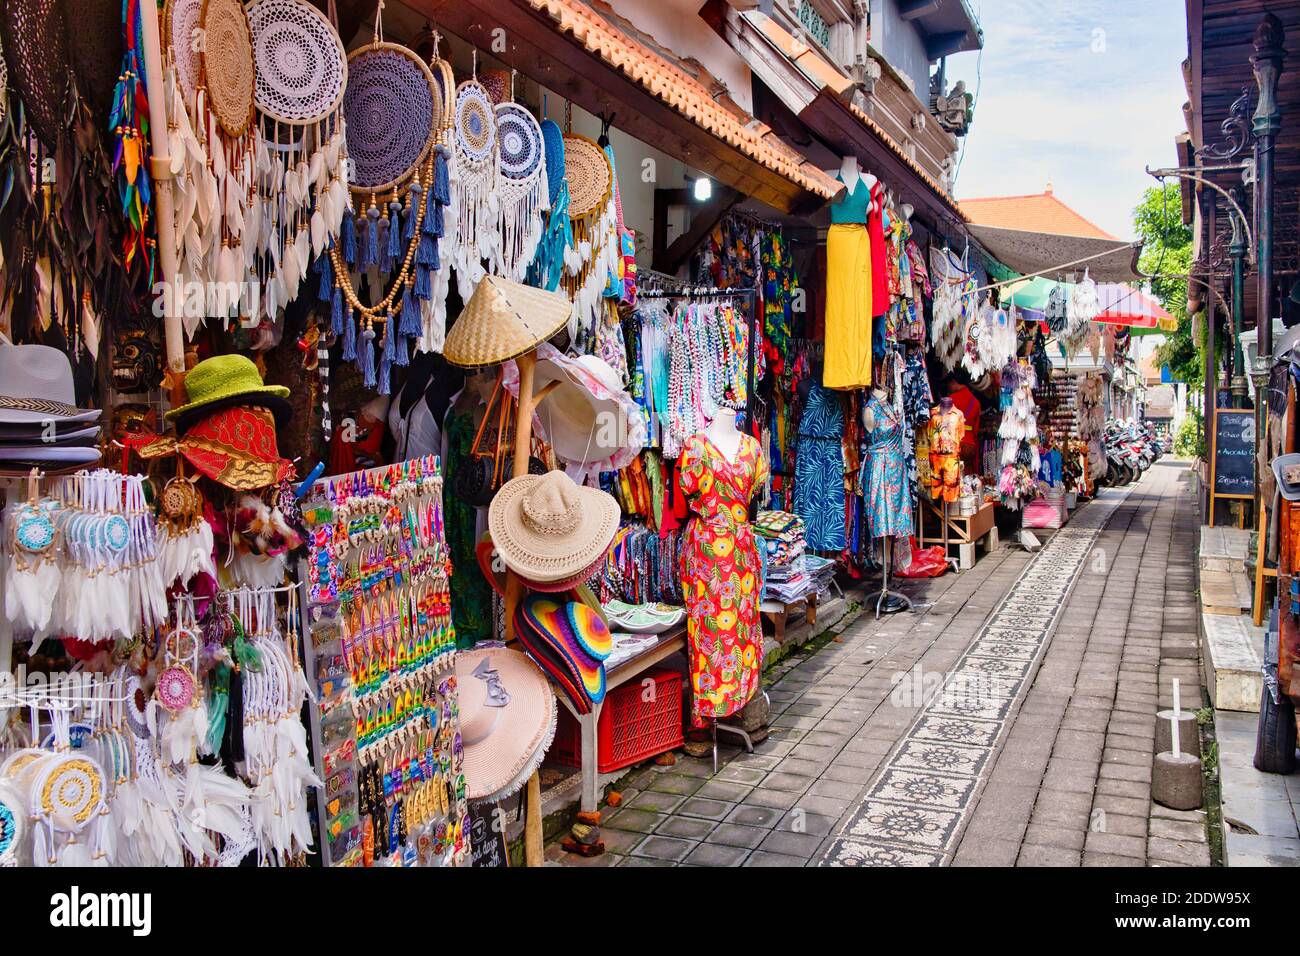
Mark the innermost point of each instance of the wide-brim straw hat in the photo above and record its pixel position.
(503, 320)
(586, 417)
(507, 720)
(547, 528)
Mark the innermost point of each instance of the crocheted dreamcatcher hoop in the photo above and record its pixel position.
(393, 110)
(302, 68)
(13, 824)
(521, 189)
(181, 38)
(69, 791)
(591, 181)
(229, 72)
(476, 131)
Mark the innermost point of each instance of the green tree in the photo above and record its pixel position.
(1167, 254)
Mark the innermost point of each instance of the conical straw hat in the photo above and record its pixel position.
(503, 320)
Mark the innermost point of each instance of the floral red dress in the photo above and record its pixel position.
(720, 576)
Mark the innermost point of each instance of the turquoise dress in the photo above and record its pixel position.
(819, 471)
(888, 494)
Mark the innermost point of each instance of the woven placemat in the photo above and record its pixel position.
(32, 37)
(228, 70)
(393, 110)
(590, 178)
(302, 67)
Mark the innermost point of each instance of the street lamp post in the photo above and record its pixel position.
(1237, 252)
(1266, 62)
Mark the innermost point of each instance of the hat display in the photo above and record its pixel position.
(224, 381)
(233, 446)
(507, 720)
(1286, 468)
(570, 641)
(36, 386)
(503, 320)
(548, 529)
(589, 417)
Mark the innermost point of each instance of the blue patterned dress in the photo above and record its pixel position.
(888, 495)
(819, 471)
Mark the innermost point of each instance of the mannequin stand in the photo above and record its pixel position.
(743, 734)
(889, 602)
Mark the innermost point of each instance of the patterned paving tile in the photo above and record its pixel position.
(941, 757)
(957, 730)
(926, 789)
(856, 853)
(899, 823)
(917, 803)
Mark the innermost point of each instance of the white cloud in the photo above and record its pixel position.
(1083, 93)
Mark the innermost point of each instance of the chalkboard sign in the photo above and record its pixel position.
(487, 835)
(1233, 456)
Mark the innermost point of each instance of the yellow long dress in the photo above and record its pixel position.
(848, 292)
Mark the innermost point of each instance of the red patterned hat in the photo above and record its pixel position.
(233, 446)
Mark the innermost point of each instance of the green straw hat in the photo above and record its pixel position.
(226, 380)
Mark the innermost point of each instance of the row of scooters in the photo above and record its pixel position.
(1131, 448)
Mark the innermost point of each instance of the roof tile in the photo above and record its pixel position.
(1039, 212)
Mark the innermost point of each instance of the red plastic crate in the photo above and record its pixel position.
(629, 730)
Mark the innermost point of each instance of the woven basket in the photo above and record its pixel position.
(33, 39)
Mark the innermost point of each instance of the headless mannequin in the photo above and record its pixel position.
(724, 434)
(850, 172)
(868, 418)
(945, 404)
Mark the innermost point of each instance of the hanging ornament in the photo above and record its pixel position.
(594, 253)
(300, 172)
(521, 190)
(185, 538)
(32, 573)
(477, 173)
(394, 112)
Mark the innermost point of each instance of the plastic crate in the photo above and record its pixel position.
(630, 729)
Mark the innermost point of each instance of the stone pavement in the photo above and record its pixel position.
(1266, 803)
(1042, 757)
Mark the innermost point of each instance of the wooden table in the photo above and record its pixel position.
(963, 532)
(670, 642)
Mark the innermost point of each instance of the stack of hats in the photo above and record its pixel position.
(40, 423)
(570, 642)
(550, 531)
(227, 428)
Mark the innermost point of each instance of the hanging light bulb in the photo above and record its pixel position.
(703, 189)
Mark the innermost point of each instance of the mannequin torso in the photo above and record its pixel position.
(724, 435)
(868, 417)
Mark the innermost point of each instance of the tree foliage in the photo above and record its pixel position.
(1167, 254)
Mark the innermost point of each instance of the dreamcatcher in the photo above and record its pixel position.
(225, 105)
(1081, 309)
(952, 287)
(477, 173)
(1056, 311)
(593, 256)
(395, 111)
(301, 153)
(522, 194)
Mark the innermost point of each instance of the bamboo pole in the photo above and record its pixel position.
(164, 216)
(527, 364)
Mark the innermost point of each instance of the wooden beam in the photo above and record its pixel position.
(703, 218)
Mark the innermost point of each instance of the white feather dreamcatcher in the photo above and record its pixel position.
(521, 190)
(32, 574)
(301, 150)
(1083, 307)
(594, 254)
(478, 209)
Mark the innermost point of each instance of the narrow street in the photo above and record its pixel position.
(1037, 750)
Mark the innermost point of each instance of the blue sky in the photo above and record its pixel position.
(1081, 92)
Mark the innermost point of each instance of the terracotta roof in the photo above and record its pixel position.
(1040, 212)
(684, 93)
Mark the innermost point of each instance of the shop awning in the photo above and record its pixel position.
(569, 47)
(821, 96)
(1042, 252)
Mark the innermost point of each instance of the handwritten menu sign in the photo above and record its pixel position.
(1234, 453)
(487, 835)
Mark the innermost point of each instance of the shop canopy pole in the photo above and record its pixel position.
(164, 216)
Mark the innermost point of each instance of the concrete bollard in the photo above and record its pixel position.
(1188, 732)
(1176, 781)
